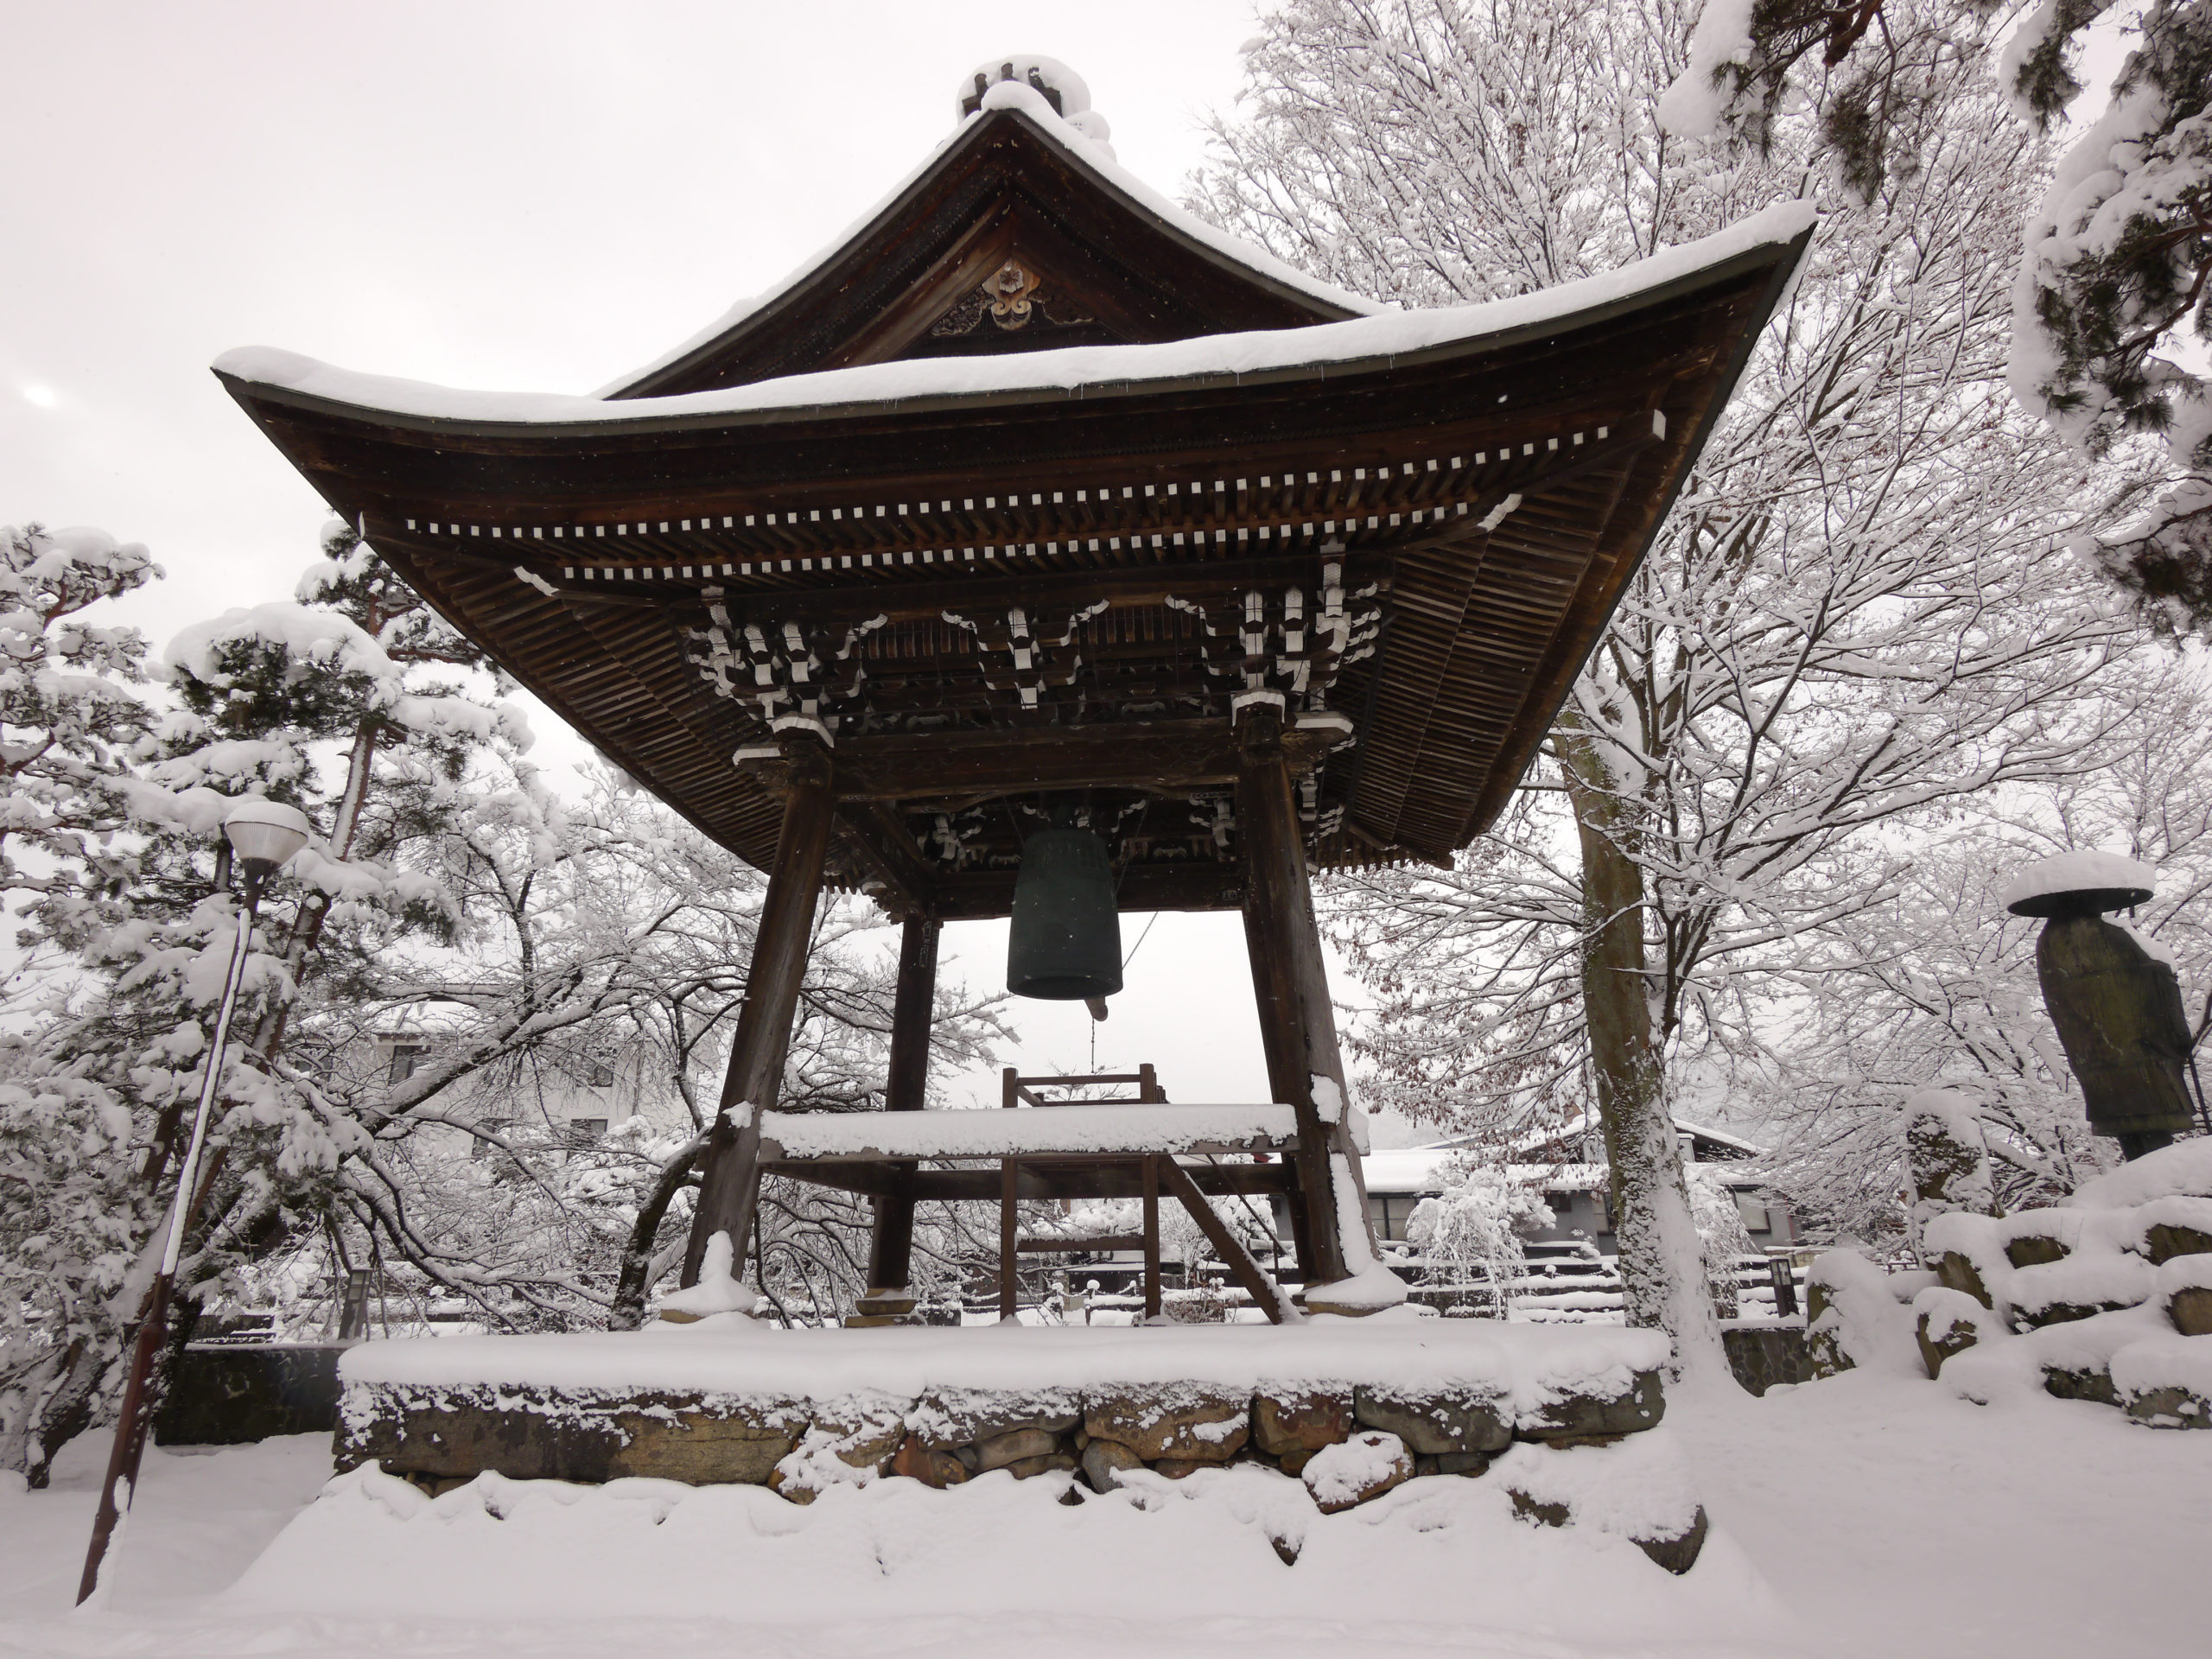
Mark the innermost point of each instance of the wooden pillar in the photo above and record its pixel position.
(1297, 1026)
(730, 1185)
(891, 1245)
(1152, 1238)
(1009, 1238)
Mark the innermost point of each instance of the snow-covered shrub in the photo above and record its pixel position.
(1480, 1222)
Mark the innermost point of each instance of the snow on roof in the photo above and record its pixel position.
(1414, 1170)
(1581, 1124)
(1093, 156)
(2085, 871)
(1074, 371)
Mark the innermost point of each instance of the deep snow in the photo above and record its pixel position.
(1868, 1514)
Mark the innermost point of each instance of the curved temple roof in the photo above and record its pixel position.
(990, 572)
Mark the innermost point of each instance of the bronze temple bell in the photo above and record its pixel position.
(1064, 944)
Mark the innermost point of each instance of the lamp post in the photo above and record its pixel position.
(264, 834)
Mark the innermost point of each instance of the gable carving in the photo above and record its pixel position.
(1011, 297)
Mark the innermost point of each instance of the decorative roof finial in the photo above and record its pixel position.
(1062, 89)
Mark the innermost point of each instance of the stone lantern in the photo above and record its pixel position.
(2112, 996)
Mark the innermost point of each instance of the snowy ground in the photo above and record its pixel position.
(1864, 1515)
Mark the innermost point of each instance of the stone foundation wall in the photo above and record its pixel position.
(440, 1437)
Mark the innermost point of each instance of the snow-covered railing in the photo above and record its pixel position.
(1040, 1132)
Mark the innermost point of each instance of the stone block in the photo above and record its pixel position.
(2094, 1384)
(864, 1433)
(1015, 1446)
(1581, 1416)
(1762, 1355)
(2034, 1250)
(1677, 1553)
(1051, 1462)
(1371, 1463)
(927, 1465)
(1954, 1271)
(2164, 1241)
(1105, 1462)
(2190, 1310)
(1436, 1421)
(1294, 1419)
(1463, 1463)
(1190, 1420)
(946, 1418)
(576, 1435)
(2170, 1408)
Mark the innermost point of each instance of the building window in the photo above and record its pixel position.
(405, 1057)
(1754, 1212)
(579, 1134)
(599, 1074)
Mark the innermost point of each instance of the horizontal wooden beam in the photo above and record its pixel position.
(1122, 1178)
(1145, 584)
(984, 895)
(1169, 756)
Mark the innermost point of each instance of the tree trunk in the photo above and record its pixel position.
(1661, 1263)
(633, 1283)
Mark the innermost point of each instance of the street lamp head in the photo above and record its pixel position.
(264, 833)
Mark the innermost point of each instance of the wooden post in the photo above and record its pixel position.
(891, 1245)
(1009, 1239)
(729, 1188)
(1298, 1025)
(1152, 1238)
(1148, 1089)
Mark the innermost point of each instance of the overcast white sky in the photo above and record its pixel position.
(517, 196)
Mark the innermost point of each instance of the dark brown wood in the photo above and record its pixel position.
(1282, 932)
(983, 895)
(1164, 756)
(729, 1185)
(1019, 1090)
(1038, 1182)
(891, 1243)
(1264, 1292)
(1009, 1237)
(1152, 1238)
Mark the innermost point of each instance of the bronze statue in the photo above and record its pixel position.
(2117, 1006)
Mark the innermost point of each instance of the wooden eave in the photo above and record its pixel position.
(579, 553)
(1002, 186)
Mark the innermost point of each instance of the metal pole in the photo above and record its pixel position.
(130, 1423)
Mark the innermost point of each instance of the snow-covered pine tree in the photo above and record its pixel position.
(72, 1210)
(1856, 616)
(2109, 309)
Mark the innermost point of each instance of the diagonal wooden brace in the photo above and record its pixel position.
(1264, 1290)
